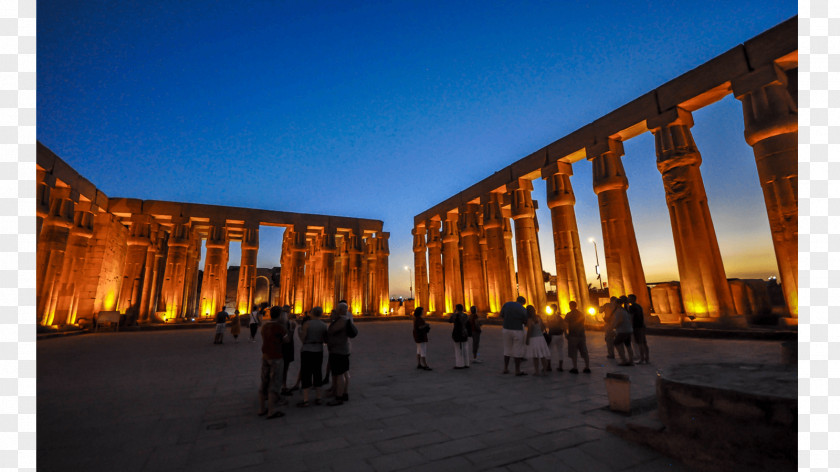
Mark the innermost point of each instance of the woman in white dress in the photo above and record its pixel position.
(535, 345)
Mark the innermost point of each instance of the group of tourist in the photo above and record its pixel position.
(624, 322)
(278, 352)
(526, 336)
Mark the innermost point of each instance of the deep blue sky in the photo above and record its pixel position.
(383, 110)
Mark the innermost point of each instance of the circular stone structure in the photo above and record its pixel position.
(745, 411)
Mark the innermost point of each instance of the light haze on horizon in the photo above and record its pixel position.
(384, 110)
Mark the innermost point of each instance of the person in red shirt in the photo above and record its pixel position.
(271, 373)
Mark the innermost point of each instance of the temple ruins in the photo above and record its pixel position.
(141, 258)
(464, 245)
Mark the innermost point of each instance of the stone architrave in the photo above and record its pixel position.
(499, 275)
(475, 290)
(705, 291)
(421, 284)
(214, 281)
(528, 263)
(328, 251)
(436, 285)
(771, 128)
(571, 276)
(74, 262)
(453, 290)
(247, 268)
(621, 252)
(52, 245)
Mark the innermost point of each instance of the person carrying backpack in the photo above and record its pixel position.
(460, 336)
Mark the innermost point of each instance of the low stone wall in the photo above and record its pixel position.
(744, 414)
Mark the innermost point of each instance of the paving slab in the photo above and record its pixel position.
(172, 400)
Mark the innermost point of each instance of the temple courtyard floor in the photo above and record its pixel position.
(171, 400)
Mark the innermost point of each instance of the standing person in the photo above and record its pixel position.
(421, 338)
(221, 319)
(313, 335)
(289, 348)
(535, 345)
(575, 324)
(254, 322)
(271, 372)
(514, 318)
(338, 343)
(460, 337)
(608, 309)
(638, 314)
(475, 325)
(235, 326)
(556, 329)
(622, 324)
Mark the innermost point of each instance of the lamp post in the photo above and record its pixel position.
(597, 264)
(410, 286)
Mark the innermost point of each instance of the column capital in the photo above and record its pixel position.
(419, 233)
(450, 228)
(675, 145)
(556, 167)
(607, 169)
(433, 235)
(468, 219)
(491, 205)
(769, 109)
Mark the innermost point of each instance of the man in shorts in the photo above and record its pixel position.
(576, 338)
(514, 318)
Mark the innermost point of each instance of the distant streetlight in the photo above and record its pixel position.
(410, 286)
(597, 264)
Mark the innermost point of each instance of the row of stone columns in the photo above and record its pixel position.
(469, 256)
(330, 266)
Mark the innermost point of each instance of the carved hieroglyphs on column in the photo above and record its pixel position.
(475, 291)
(571, 277)
(499, 274)
(528, 263)
(421, 286)
(621, 252)
(250, 245)
(453, 289)
(437, 302)
(705, 290)
(771, 128)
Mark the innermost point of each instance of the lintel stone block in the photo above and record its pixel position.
(125, 206)
(761, 77)
(529, 167)
(603, 146)
(555, 168)
(773, 45)
(45, 158)
(624, 121)
(157, 207)
(699, 82)
(674, 115)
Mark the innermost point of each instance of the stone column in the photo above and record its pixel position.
(248, 268)
(355, 277)
(72, 271)
(342, 282)
(436, 286)
(382, 251)
(621, 252)
(135, 263)
(52, 244)
(705, 291)
(371, 304)
(286, 295)
(328, 251)
(528, 263)
(298, 248)
(770, 122)
(498, 270)
(453, 290)
(174, 276)
(46, 182)
(571, 277)
(214, 281)
(191, 302)
(421, 284)
(150, 274)
(475, 290)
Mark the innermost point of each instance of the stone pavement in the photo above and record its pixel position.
(154, 401)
